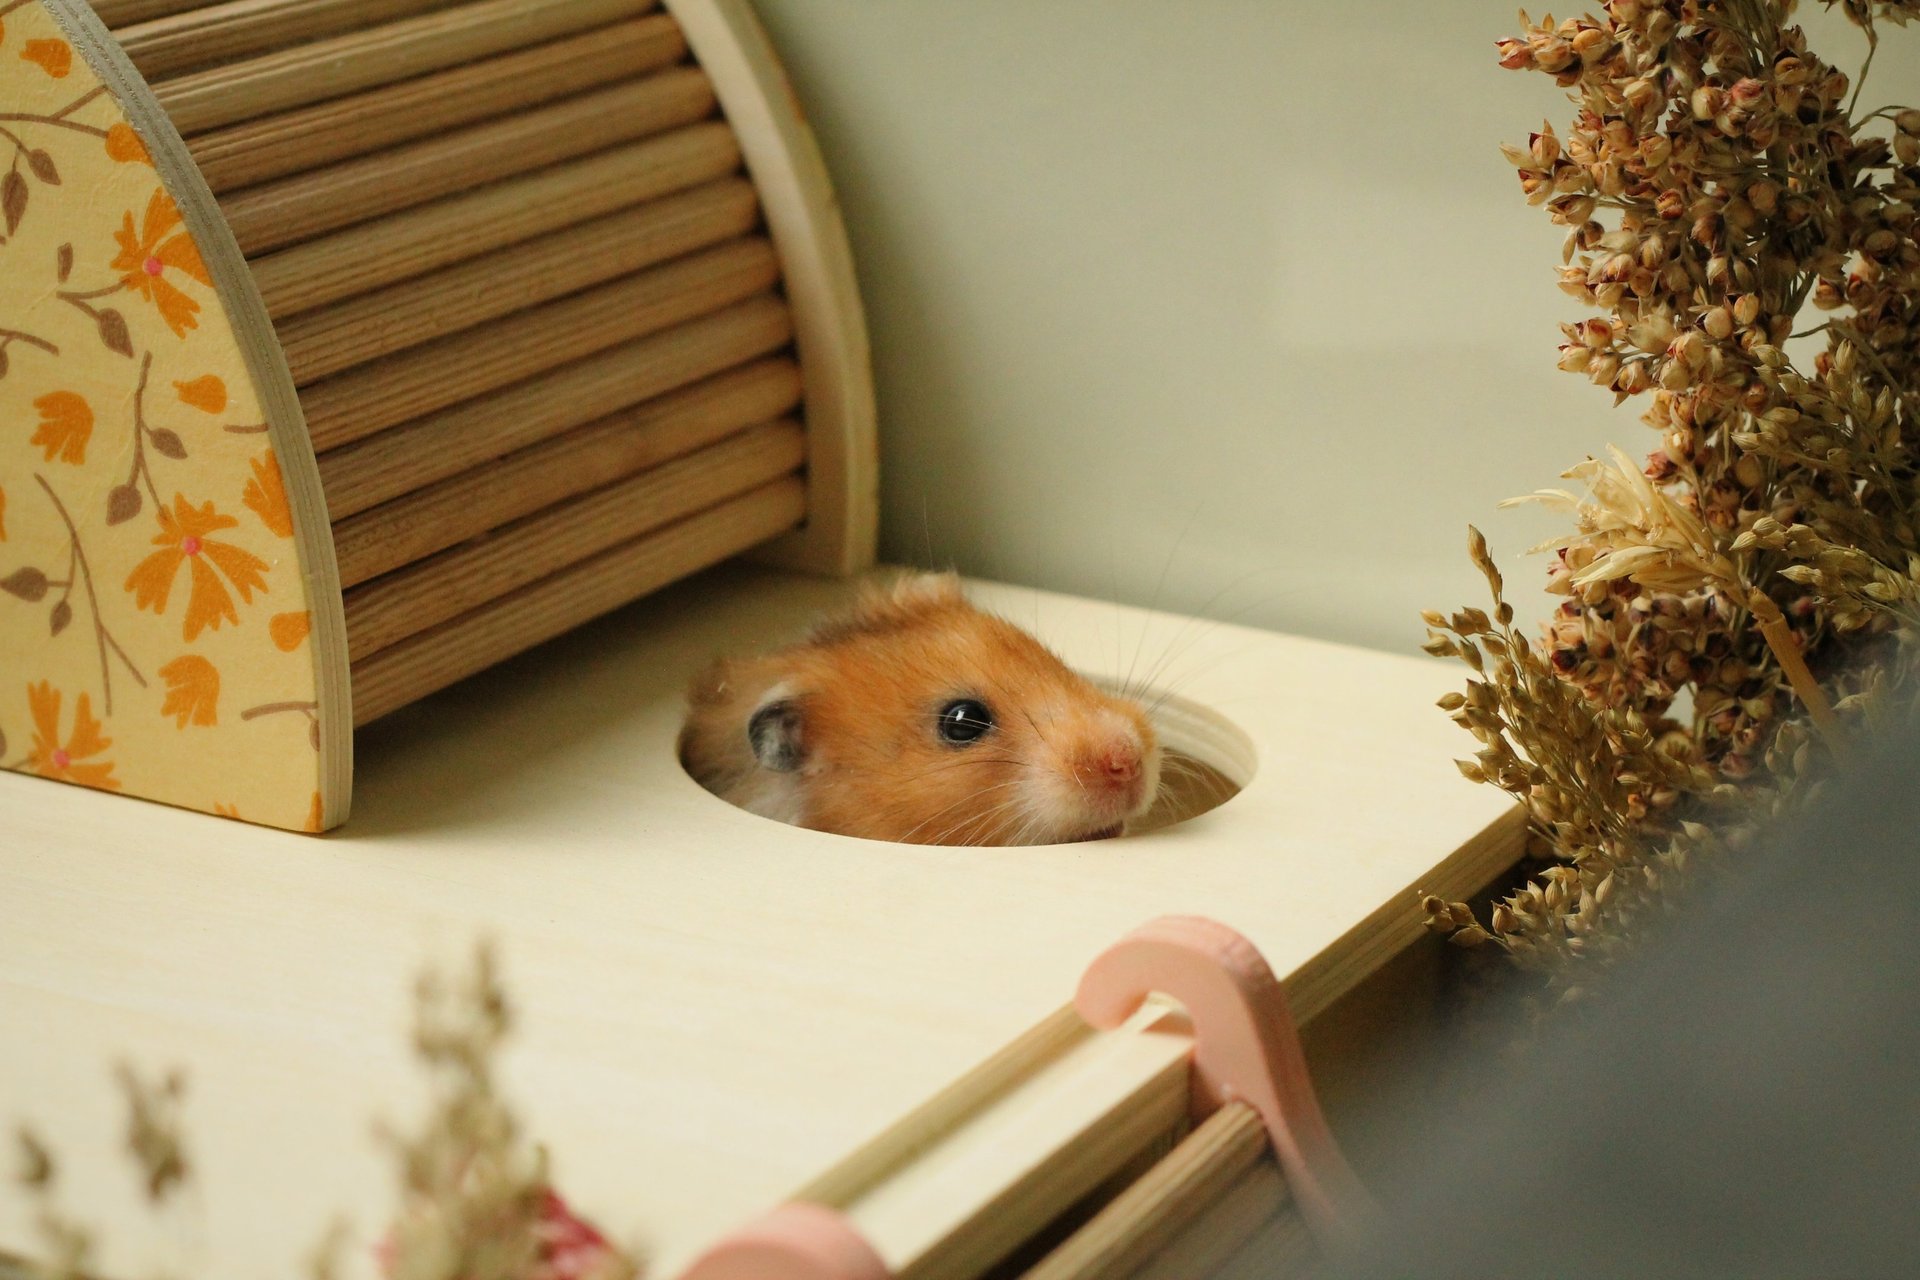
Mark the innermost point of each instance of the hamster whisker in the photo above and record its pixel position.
(1173, 687)
(970, 796)
(1202, 618)
(983, 817)
(971, 760)
(1159, 585)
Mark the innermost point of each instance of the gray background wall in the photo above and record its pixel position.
(1240, 290)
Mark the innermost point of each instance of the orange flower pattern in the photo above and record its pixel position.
(66, 423)
(52, 56)
(289, 630)
(185, 538)
(145, 259)
(205, 393)
(266, 496)
(193, 691)
(135, 614)
(124, 145)
(67, 761)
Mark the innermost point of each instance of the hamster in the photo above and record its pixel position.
(918, 718)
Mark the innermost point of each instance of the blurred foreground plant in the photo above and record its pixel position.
(475, 1201)
(1718, 182)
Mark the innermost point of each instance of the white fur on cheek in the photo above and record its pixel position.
(776, 796)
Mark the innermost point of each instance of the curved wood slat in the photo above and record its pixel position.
(122, 13)
(409, 244)
(434, 659)
(445, 444)
(426, 593)
(830, 331)
(308, 137)
(180, 42)
(329, 340)
(464, 506)
(380, 55)
(309, 204)
(364, 401)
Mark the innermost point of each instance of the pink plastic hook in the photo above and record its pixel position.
(793, 1242)
(1247, 1048)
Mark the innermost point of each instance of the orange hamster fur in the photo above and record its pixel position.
(917, 717)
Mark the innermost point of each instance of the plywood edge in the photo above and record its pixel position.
(830, 331)
(267, 367)
(1398, 922)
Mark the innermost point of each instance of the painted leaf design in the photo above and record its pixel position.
(193, 691)
(113, 331)
(29, 584)
(266, 497)
(289, 629)
(167, 443)
(52, 56)
(63, 262)
(205, 393)
(66, 424)
(58, 619)
(43, 167)
(123, 503)
(13, 200)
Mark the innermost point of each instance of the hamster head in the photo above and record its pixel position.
(919, 718)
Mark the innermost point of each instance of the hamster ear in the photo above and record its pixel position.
(776, 732)
(891, 602)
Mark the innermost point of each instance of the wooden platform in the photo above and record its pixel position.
(717, 1011)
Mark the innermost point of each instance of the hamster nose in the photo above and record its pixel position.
(1120, 763)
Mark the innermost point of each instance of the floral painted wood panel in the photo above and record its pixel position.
(154, 622)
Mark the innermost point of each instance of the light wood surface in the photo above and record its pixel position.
(424, 594)
(379, 55)
(410, 457)
(830, 330)
(667, 427)
(305, 205)
(305, 138)
(462, 227)
(717, 1010)
(361, 402)
(330, 339)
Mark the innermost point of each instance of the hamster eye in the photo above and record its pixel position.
(964, 721)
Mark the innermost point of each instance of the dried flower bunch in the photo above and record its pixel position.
(1746, 233)
(475, 1200)
(159, 1157)
(475, 1203)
